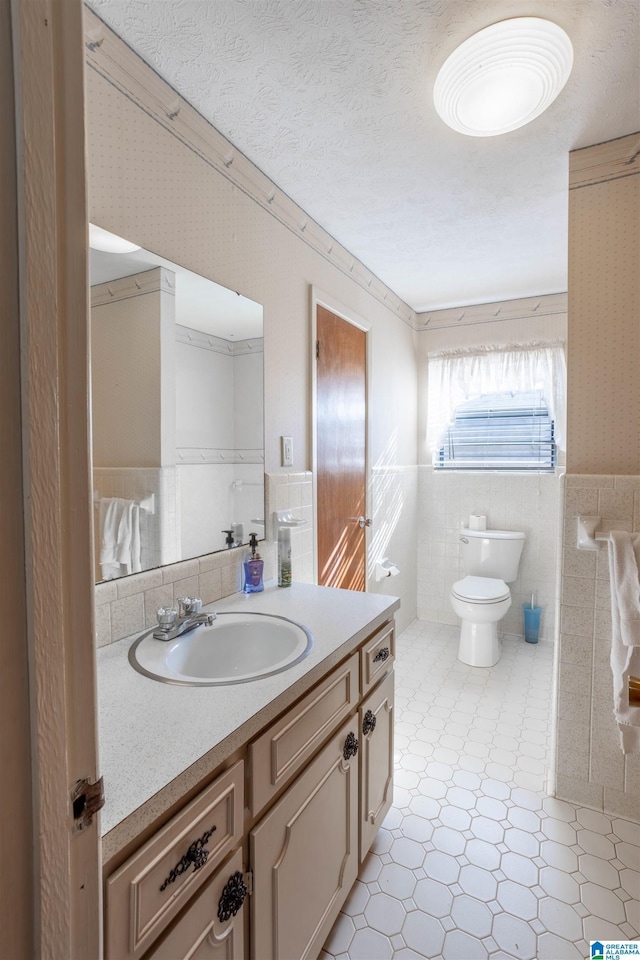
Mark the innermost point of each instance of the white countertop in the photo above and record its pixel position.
(158, 740)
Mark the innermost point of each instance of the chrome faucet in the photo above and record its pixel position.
(172, 623)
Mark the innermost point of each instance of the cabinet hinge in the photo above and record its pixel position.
(86, 799)
(317, 349)
(247, 879)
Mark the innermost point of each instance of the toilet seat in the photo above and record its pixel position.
(481, 590)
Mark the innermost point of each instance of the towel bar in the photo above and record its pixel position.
(634, 691)
(148, 503)
(589, 536)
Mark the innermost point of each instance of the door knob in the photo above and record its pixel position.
(364, 522)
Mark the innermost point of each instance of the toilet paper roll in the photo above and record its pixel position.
(477, 521)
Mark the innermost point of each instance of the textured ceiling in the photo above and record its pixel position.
(332, 100)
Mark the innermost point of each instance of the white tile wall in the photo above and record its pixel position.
(527, 503)
(590, 767)
(293, 491)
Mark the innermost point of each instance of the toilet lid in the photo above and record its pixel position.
(481, 589)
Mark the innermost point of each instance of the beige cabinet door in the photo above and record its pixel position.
(200, 934)
(376, 761)
(304, 855)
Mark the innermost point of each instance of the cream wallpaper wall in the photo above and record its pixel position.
(604, 308)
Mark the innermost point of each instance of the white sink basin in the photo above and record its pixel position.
(237, 647)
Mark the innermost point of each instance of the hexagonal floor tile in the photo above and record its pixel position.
(515, 937)
(441, 866)
(602, 903)
(560, 918)
(448, 840)
(516, 899)
(397, 881)
(385, 914)
(433, 897)
(559, 885)
(478, 883)
(423, 934)
(408, 853)
(472, 916)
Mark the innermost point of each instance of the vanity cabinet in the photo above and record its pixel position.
(304, 854)
(154, 884)
(199, 933)
(298, 812)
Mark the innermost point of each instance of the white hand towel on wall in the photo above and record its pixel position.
(624, 564)
(119, 537)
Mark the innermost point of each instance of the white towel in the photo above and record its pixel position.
(624, 564)
(119, 537)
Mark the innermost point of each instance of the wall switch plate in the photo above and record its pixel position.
(287, 451)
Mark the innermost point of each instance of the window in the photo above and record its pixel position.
(500, 431)
(497, 408)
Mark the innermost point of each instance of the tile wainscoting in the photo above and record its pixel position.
(516, 502)
(590, 768)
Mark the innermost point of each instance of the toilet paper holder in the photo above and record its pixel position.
(385, 568)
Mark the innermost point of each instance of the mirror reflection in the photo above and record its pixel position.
(177, 412)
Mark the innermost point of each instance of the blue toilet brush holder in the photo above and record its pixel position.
(531, 622)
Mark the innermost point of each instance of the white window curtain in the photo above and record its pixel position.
(460, 375)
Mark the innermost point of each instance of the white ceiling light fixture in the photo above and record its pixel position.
(503, 76)
(100, 239)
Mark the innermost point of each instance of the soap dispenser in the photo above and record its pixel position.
(253, 567)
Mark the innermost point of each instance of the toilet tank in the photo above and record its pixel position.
(491, 553)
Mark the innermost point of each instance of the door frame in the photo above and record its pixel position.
(318, 298)
(52, 230)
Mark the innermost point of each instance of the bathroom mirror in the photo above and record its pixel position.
(177, 413)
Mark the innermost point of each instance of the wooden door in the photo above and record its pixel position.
(376, 761)
(341, 451)
(304, 855)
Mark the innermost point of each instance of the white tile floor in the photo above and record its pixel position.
(474, 860)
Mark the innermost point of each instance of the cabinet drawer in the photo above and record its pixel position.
(199, 932)
(290, 742)
(147, 891)
(377, 656)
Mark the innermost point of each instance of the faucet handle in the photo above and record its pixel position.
(189, 606)
(167, 617)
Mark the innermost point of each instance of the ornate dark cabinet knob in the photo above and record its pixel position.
(382, 654)
(232, 897)
(369, 723)
(196, 857)
(350, 746)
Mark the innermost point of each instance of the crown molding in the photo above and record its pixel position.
(527, 308)
(611, 160)
(157, 279)
(117, 63)
(208, 341)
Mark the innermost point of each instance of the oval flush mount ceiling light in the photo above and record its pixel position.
(100, 239)
(503, 76)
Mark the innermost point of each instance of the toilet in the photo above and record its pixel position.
(481, 599)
